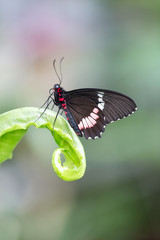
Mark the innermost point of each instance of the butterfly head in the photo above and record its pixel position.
(56, 86)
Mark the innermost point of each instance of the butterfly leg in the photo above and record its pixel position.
(48, 103)
(61, 112)
(50, 96)
(56, 118)
(52, 105)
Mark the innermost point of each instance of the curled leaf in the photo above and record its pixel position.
(14, 124)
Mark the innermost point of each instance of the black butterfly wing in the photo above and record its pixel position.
(92, 109)
(86, 117)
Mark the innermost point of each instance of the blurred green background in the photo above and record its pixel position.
(106, 44)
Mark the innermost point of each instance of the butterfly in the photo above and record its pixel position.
(89, 110)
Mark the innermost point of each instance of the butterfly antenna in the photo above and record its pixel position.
(54, 66)
(60, 66)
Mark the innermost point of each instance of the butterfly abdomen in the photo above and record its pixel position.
(72, 122)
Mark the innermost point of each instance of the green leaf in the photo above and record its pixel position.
(14, 124)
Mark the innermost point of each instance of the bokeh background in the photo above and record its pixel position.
(106, 44)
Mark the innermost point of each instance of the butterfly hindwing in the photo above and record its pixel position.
(89, 119)
(92, 109)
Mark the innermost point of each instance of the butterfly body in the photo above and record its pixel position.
(89, 110)
(60, 101)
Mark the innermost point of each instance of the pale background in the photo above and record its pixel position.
(106, 44)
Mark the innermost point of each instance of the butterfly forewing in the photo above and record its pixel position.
(92, 109)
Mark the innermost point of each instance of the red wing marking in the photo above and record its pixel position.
(95, 110)
(80, 125)
(93, 115)
(90, 121)
(93, 122)
(84, 123)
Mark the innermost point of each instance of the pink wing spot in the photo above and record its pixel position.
(96, 110)
(61, 99)
(63, 104)
(67, 118)
(89, 123)
(65, 112)
(84, 123)
(93, 115)
(80, 125)
(64, 107)
(92, 120)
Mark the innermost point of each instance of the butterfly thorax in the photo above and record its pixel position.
(59, 99)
